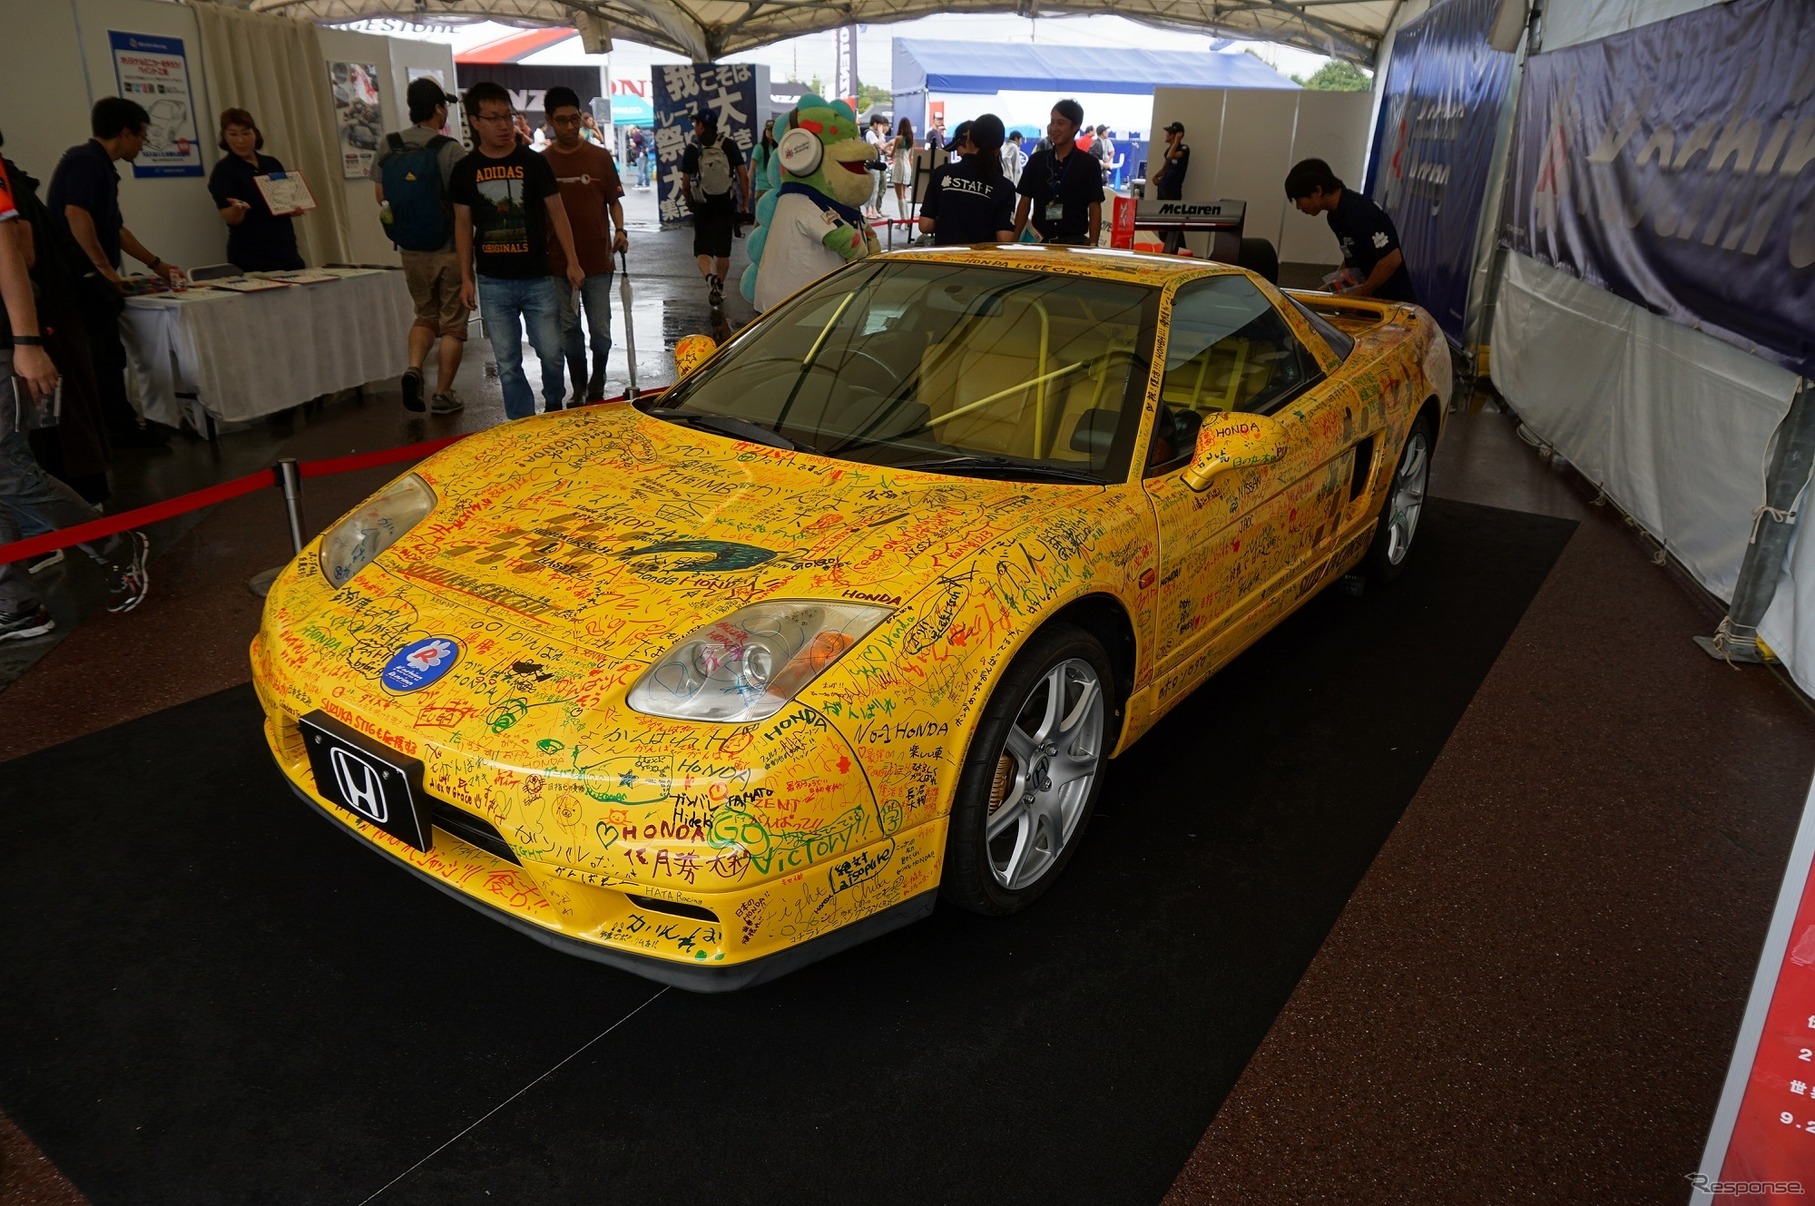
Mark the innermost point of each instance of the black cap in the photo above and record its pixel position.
(959, 135)
(425, 92)
(1176, 128)
(707, 118)
(986, 132)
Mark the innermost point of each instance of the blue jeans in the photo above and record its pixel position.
(33, 502)
(509, 305)
(595, 294)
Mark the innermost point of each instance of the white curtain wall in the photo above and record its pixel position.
(1675, 425)
(273, 67)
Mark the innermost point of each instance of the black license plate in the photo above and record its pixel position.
(368, 779)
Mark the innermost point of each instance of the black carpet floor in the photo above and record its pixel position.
(208, 995)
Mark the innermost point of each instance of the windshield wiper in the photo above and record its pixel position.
(1003, 463)
(736, 428)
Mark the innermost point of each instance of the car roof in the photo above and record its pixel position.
(1101, 262)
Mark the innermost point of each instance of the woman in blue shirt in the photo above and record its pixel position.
(257, 239)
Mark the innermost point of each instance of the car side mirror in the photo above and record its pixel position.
(692, 352)
(1232, 440)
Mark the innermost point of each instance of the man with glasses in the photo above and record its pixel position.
(506, 202)
(591, 193)
(1061, 188)
(84, 204)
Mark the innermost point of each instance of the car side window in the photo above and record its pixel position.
(1230, 349)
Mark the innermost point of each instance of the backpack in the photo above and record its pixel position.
(421, 219)
(715, 169)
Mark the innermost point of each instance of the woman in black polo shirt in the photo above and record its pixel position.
(971, 201)
(257, 239)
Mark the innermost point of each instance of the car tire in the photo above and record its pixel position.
(1015, 823)
(1259, 257)
(1404, 506)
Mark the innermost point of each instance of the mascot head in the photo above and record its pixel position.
(823, 149)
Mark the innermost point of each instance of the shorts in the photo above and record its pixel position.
(712, 228)
(433, 278)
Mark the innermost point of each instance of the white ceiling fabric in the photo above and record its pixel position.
(709, 29)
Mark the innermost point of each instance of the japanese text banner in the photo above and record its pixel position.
(1671, 165)
(728, 92)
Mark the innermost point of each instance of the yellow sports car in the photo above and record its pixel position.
(853, 616)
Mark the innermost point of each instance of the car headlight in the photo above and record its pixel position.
(358, 539)
(748, 665)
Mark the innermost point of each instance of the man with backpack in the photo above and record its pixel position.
(411, 174)
(707, 170)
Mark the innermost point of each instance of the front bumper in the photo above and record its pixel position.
(703, 941)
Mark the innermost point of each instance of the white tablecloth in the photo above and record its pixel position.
(242, 355)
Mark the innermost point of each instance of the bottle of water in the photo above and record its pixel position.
(384, 213)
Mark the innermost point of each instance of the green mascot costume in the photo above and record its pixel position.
(810, 222)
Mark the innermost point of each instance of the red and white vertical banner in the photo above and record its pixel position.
(1761, 1149)
(1121, 223)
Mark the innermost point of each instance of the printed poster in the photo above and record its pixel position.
(357, 115)
(154, 71)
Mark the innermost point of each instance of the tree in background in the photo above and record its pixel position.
(1335, 76)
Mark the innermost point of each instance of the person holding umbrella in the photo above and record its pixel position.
(592, 195)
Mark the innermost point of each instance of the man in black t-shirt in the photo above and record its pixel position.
(1061, 188)
(1175, 161)
(971, 201)
(84, 204)
(506, 202)
(1369, 240)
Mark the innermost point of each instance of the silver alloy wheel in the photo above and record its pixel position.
(1408, 496)
(1051, 758)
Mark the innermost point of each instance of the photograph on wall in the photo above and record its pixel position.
(357, 115)
(154, 72)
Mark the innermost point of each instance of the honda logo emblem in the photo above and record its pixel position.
(359, 784)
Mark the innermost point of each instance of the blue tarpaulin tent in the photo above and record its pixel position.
(930, 66)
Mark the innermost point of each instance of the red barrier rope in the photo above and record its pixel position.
(369, 460)
(98, 529)
(108, 525)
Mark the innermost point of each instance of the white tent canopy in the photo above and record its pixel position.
(710, 29)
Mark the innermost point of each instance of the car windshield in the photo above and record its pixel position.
(947, 367)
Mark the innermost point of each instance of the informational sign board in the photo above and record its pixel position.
(154, 71)
(1762, 1145)
(737, 93)
(358, 116)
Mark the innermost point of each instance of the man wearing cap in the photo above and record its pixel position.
(432, 274)
(1061, 188)
(711, 169)
(971, 201)
(1175, 161)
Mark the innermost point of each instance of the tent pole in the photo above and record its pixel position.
(1736, 640)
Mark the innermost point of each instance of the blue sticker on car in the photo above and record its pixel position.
(420, 664)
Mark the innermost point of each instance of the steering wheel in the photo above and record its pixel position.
(866, 371)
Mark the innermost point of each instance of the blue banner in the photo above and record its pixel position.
(1672, 165)
(1434, 145)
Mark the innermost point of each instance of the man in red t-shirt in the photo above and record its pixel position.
(592, 193)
